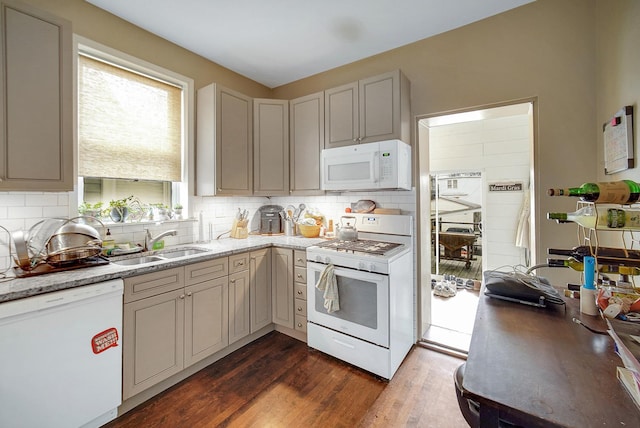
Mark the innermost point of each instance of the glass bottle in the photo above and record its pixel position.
(603, 268)
(614, 192)
(602, 218)
(584, 250)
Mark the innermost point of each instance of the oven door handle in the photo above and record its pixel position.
(346, 272)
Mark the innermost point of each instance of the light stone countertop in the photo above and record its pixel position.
(18, 288)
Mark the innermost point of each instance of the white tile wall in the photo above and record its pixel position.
(218, 212)
(21, 210)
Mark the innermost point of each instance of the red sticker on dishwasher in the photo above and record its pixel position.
(105, 340)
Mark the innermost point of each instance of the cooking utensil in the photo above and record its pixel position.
(73, 241)
(290, 210)
(346, 229)
(22, 254)
(38, 236)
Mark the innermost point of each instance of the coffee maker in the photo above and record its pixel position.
(270, 220)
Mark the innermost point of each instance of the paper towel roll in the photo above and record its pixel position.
(588, 301)
(201, 226)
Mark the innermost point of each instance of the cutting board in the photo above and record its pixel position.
(387, 211)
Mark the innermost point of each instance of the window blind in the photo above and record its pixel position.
(129, 125)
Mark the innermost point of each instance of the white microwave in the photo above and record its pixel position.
(383, 165)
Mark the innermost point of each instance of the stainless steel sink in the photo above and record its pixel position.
(138, 260)
(160, 256)
(181, 252)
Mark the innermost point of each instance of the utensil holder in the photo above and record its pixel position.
(239, 229)
(289, 228)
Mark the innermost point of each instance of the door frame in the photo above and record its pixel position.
(423, 194)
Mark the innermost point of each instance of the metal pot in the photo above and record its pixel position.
(71, 242)
(346, 230)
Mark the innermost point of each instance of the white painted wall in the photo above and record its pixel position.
(499, 148)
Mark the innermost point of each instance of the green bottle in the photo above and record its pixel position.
(614, 192)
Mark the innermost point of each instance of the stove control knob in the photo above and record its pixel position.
(327, 260)
(372, 267)
(361, 266)
(319, 259)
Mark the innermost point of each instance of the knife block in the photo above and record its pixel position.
(239, 230)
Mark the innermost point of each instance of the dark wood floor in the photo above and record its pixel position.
(278, 381)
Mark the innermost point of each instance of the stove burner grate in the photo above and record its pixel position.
(360, 246)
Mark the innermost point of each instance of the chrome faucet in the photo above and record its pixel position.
(149, 241)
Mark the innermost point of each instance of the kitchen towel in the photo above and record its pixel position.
(329, 286)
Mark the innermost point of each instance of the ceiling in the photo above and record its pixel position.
(279, 41)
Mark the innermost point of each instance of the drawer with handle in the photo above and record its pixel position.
(300, 258)
(300, 291)
(300, 275)
(300, 323)
(301, 307)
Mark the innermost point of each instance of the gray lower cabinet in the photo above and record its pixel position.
(300, 290)
(249, 293)
(260, 284)
(206, 315)
(36, 75)
(239, 292)
(282, 284)
(172, 318)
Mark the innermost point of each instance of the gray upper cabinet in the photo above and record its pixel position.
(224, 148)
(36, 96)
(373, 109)
(306, 141)
(271, 147)
(341, 115)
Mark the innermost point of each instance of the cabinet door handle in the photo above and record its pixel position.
(189, 294)
(299, 259)
(299, 309)
(299, 276)
(182, 296)
(299, 324)
(233, 281)
(299, 292)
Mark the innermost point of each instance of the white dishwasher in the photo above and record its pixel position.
(61, 358)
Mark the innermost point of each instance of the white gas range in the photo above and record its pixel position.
(374, 327)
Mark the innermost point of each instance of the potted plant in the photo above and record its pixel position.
(177, 210)
(160, 212)
(89, 209)
(119, 209)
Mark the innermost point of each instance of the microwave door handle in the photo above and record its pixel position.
(375, 165)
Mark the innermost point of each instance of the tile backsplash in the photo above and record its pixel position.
(218, 212)
(21, 210)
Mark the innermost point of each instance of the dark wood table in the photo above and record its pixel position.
(453, 244)
(539, 366)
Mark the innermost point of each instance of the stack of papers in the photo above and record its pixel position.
(627, 339)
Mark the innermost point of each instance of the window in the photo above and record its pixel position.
(452, 184)
(132, 129)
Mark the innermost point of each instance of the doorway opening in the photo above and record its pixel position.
(474, 223)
